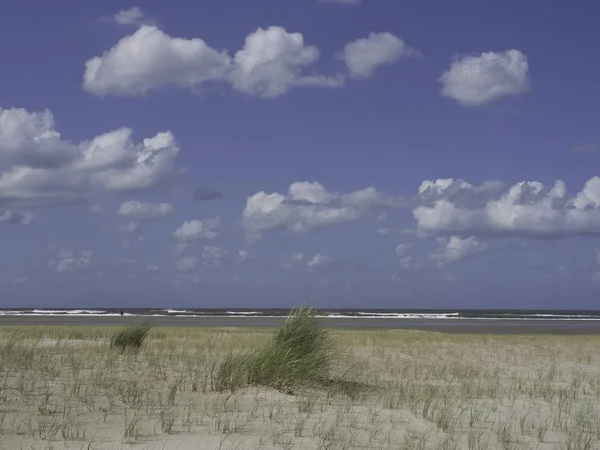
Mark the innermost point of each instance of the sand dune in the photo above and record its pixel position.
(64, 388)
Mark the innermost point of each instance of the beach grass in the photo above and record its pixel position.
(65, 388)
(299, 353)
(130, 337)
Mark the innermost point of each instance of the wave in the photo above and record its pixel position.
(332, 314)
(179, 311)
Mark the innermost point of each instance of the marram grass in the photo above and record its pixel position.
(131, 337)
(300, 353)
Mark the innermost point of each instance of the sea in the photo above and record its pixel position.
(358, 314)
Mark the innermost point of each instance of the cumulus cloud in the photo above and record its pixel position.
(528, 208)
(37, 167)
(475, 80)
(308, 206)
(456, 249)
(68, 260)
(364, 56)
(133, 16)
(14, 217)
(204, 193)
(136, 210)
(198, 230)
(271, 62)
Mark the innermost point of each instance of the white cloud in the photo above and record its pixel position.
(150, 59)
(37, 167)
(293, 261)
(364, 56)
(152, 267)
(136, 210)
(198, 230)
(68, 260)
(475, 80)
(318, 260)
(456, 249)
(15, 217)
(405, 259)
(384, 231)
(133, 16)
(528, 208)
(307, 206)
(269, 64)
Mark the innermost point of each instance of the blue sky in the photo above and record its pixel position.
(374, 153)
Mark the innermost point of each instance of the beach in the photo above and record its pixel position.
(62, 386)
(477, 326)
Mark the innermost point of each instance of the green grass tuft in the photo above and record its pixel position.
(131, 337)
(300, 353)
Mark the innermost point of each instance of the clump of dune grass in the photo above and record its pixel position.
(131, 337)
(300, 353)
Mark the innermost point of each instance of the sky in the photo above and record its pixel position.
(265, 153)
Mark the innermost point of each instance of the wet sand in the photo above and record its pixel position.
(478, 326)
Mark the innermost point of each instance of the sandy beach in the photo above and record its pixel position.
(478, 326)
(63, 387)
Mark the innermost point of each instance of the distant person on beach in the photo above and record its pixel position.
(121, 312)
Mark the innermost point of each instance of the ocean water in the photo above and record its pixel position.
(398, 314)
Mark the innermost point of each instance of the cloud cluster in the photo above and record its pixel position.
(271, 62)
(475, 80)
(37, 167)
(528, 208)
(306, 207)
(364, 56)
(455, 249)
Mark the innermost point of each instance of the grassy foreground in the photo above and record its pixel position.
(65, 388)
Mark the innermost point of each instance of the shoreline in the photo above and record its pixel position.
(471, 326)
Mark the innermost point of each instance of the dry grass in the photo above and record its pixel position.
(64, 388)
